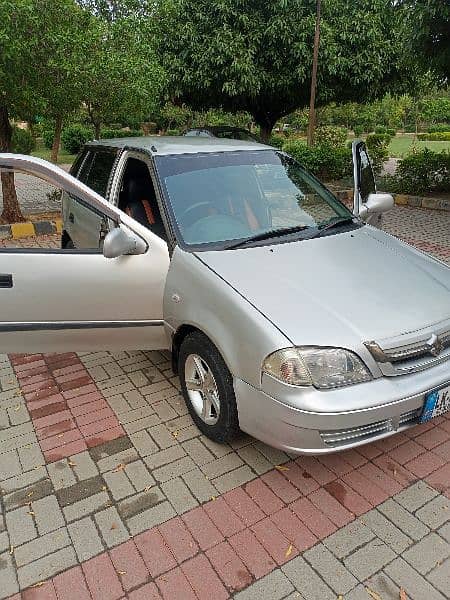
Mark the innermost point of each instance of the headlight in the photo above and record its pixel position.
(322, 367)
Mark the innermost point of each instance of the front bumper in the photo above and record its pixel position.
(369, 412)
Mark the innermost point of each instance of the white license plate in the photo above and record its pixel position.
(436, 403)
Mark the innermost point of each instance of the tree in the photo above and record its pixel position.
(426, 33)
(257, 56)
(122, 75)
(42, 49)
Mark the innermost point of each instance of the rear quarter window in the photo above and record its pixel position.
(95, 170)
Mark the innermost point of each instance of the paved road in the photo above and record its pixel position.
(109, 491)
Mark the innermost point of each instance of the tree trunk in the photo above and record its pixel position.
(11, 209)
(97, 125)
(265, 130)
(56, 139)
(312, 99)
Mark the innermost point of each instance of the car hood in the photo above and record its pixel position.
(340, 289)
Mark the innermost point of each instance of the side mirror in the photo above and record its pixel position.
(377, 203)
(119, 241)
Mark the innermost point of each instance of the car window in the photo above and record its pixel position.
(96, 170)
(215, 198)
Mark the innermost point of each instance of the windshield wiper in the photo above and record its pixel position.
(265, 235)
(332, 225)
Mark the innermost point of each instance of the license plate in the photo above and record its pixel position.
(436, 403)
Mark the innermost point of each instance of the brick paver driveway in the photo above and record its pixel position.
(109, 491)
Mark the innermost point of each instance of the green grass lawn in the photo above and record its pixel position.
(401, 144)
(63, 157)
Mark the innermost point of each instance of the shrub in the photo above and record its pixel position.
(120, 133)
(391, 132)
(358, 130)
(439, 127)
(438, 136)
(22, 141)
(378, 147)
(380, 129)
(173, 132)
(277, 141)
(74, 137)
(324, 161)
(334, 137)
(423, 171)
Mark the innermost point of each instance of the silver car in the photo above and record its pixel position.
(289, 316)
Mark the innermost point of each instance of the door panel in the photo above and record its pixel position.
(69, 300)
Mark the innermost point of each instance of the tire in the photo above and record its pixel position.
(211, 402)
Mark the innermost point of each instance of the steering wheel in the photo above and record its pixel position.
(216, 228)
(194, 207)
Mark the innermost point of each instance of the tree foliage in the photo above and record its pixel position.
(256, 56)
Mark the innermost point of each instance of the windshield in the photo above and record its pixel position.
(216, 198)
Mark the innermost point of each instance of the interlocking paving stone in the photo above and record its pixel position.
(47, 514)
(150, 518)
(414, 528)
(440, 577)
(35, 491)
(303, 577)
(85, 538)
(415, 496)
(428, 553)
(119, 484)
(20, 526)
(80, 491)
(415, 586)
(45, 544)
(348, 539)
(274, 586)
(46, 567)
(330, 569)
(369, 559)
(179, 495)
(86, 506)
(435, 513)
(147, 499)
(111, 527)
(8, 576)
(386, 531)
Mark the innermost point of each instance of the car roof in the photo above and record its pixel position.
(164, 145)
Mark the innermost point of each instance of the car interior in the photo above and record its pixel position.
(138, 198)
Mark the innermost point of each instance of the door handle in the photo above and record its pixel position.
(71, 218)
(6, 281)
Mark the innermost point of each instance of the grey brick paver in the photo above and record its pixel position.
(139, 475)
(8, 576)
(201, 487)
(10, 465)
(20, 526)
(349, 538)
(24, 480)
(179, 495)
(111, 462)
(386, 531)
(178, 467)
(233, 479)
(47, 514)
(222, 465)
(143, 443)
(85, 538)
(428, 553)
(255, 459)
(43, 545)
(404, 520)
(85, 467)
(86, 506)
(415, 496)
(61, 474)
(310, 585)
(111, 527)
(330, 569)
(416, 586)
(30, 456)
(274, 586)
(46, 567)
(369, 559)
(151, 517)
(440, 577)
(444, 532)
(198, 451)
(118, 484)
(435, 513)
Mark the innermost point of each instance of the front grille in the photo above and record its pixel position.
(343, 437)
(411, 353)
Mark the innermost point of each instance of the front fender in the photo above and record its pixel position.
(196, 296)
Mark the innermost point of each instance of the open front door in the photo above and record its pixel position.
(364, 183)
(54, 299)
